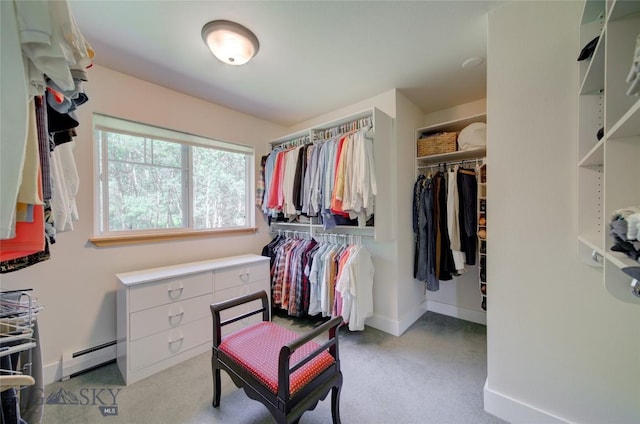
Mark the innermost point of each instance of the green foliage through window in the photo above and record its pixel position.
(147, 183)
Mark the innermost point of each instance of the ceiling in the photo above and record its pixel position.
(314, 57)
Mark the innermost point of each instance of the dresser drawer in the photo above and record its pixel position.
(171, 315)
(157, 347)
(145, 296)
(240, 275)
(241, 291)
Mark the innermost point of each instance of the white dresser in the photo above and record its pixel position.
(163, 315)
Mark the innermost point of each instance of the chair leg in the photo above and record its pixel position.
(216, 382)
(335, 404)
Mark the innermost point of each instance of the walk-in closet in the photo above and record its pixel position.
(450, 216)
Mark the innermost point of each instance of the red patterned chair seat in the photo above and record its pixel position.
(289, 373)
(257, 348)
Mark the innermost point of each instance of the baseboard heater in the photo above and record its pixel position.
(74, 363)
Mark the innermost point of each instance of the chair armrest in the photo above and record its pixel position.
(216, 308)
(287, 350)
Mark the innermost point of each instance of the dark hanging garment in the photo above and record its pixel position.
(468, 192)
(427, 238)
(417, 196)
(298, 178)
(445, 266)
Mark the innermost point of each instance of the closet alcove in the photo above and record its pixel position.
(462, 296)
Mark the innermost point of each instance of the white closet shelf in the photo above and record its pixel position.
(628, 125)
(593, 242)
(454, 125)
(608, 170)
(592, 11)
(340, 229)
(593, 82)
(595, 156)
(448, 157)
(616, 282)
(619, 9)
(620, 260)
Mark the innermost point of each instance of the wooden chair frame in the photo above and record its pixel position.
(284, 407)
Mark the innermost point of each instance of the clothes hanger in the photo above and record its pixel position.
(15, 381)
(11, 332)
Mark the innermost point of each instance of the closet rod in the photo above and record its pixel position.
(457, 162)
(326, 133)
(319, 233)
(298, 141)
(354, 125)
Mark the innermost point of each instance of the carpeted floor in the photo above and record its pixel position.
(434, 373)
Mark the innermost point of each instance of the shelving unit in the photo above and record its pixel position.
(382, 230)
(18, 314)
(463, 296)
(609, 167)
(482, 234)
(461, 155)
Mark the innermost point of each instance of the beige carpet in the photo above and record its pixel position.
(434, 373)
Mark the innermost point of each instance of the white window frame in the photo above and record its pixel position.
(101, 216)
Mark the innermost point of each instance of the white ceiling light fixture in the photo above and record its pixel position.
(230, 42)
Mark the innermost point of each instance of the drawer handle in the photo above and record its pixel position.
(179, 314)
(175, 345)
(178, 290)
(176, 317)
(244, 276)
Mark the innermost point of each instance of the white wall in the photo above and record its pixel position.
(461, 111)
(77, 285)
(411, 296)
(560, 348)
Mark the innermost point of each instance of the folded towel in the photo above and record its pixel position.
(633, 226)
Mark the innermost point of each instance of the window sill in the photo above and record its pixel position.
(154, 238)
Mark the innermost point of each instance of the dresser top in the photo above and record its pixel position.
(159, 273)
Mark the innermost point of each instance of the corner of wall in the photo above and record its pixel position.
(512, 410)
(475, 107)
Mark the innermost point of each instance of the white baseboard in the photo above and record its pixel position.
(408, 319)
(515, 411)
(478, 317)
(72, 364)
(68, 365)
(52, 372)
(383, 324)
(397, 328)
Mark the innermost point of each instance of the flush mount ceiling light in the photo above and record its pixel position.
(230, 42)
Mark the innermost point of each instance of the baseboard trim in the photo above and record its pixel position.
(457, 312)
(408, 319)
(397, 328)
(52, 372)
(515, 411)
(383, 324)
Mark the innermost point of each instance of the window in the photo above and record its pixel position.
(152, 180)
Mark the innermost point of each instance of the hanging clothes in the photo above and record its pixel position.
(310, 277)
(426, 259)
(444, 225)
(332, 179)
(468, 190)
(47, 60)
(453, 221)
(445, 267)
